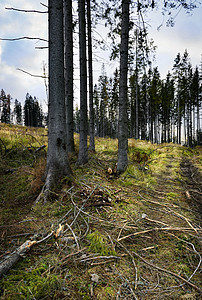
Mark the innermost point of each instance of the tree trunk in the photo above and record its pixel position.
(57, 159)
(179, 122)
(69, 73)
(90, 74)
(83, 151)
(136, 92)
(123, 118)
(198, 121)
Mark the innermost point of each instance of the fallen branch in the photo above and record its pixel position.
(99, 257)
(184, 218)
(10, 260)
(19, 253)
(169, 272)
(134, 264)
(157, 229)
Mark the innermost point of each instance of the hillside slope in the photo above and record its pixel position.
(101, 236)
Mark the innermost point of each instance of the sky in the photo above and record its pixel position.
(22, 54)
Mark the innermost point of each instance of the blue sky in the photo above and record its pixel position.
(22, 54)
(186, 34)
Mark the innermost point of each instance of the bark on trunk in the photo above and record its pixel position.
(57, 159)
(83, 151)
(90, 74)
(69, 74)
(123, 118)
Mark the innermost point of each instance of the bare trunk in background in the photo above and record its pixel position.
(123, 91)
(90, 74)
(69, 74)
(83, 151)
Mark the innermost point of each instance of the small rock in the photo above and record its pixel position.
(94, 278)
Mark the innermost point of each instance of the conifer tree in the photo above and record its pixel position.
(83, 151)
(18, 112)
(5, 103)
(57, 156)
(68, 48)
(90, 75)
(123, 92)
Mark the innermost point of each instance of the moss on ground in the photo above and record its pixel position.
(100, 215)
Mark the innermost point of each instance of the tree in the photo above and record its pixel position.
(83, 151)
(179, 96)
(28, 110)
(113, 104)
(97, 111)
(33, 114)
(103, 102)
(195, 91)
(18, 112)
(5, 103)
(123, 119)
(57, 156)
(69, 73)
(90, 75)
(166, 105)
(154, 105)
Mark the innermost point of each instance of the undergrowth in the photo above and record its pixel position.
(99, 223)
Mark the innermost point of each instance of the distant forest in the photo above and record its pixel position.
(159, 110)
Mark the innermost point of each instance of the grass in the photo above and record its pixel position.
(109, 216)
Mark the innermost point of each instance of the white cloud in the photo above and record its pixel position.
(22, 54)
(185, 35)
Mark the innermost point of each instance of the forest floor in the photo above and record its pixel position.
(101, 236)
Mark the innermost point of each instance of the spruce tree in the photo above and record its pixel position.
(57, 156)
(123, 91)
(5, 101)
(69, 97)
(18, 112)
(83, 151)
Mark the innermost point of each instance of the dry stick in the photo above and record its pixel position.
(177, 214)
(169, 272)
(184, 218)
(99, 257)
(195, 191)
(155, 221)
(75, 238)
(157, 229)
(26, 11)
(153, 202)
(23, 38)
(134, 264)
(41, 48)
(200, 259)
(44, 5)
(81, 209)
(38, 76)
(121, 230)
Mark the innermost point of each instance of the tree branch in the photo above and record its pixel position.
(40, 76)
(23, 38)
(41, 48)
(26, 11)
(44, 5)
(169, 272)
